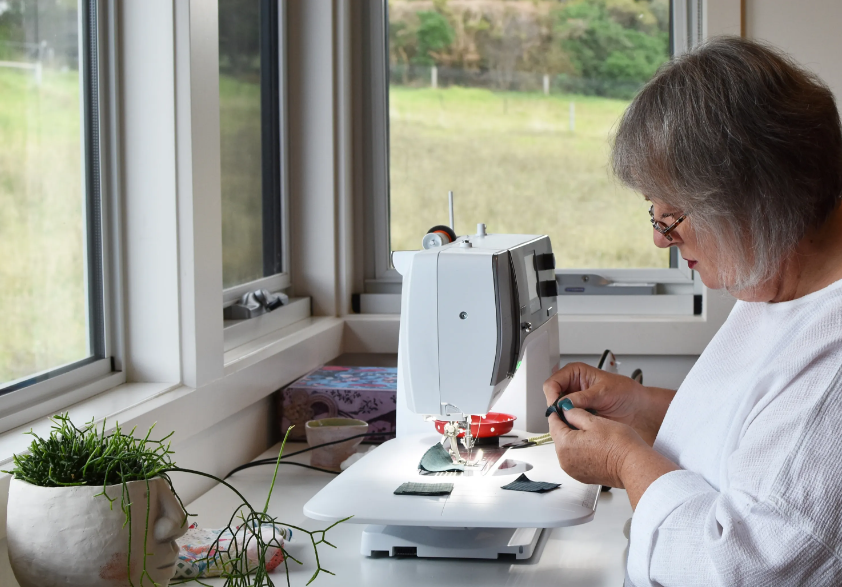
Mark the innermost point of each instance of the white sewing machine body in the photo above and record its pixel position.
(468, 312)
(478, 318)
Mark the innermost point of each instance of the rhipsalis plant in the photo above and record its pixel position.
(73, 456)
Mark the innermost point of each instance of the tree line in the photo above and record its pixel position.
(605, 47)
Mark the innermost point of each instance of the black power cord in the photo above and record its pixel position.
(308, 449)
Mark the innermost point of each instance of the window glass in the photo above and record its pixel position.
(250, 199)
(44, 260)
(510, 104)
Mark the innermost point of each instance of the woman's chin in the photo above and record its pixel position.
(710, 281)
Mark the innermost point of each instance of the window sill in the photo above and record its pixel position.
(239, 332)
(252, 372)
(675, 305)
(582, 334)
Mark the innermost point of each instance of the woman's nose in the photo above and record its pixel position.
(663, 242)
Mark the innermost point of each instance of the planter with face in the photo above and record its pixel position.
(72, 537)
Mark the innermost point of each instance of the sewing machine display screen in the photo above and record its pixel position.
(531, 278)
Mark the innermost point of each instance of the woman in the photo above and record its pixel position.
(736, 478)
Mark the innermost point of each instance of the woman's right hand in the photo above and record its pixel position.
(612, 396)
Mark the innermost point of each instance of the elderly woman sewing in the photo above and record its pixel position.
(736, 478)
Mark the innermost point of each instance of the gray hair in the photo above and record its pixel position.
(743, 140)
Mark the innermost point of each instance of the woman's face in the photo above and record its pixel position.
(684, 238)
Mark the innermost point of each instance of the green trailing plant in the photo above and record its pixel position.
(72, 456)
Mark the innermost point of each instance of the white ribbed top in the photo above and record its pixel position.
(757, 429)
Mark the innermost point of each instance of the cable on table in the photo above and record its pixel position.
(308, 449)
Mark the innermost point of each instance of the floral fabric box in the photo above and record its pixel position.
(365, 393)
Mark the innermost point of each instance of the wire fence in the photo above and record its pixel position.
(510, 81)
(35, 57)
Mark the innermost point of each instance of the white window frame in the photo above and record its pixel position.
(165, 260)
(96, 375)
(278, 281)
(382, 278)
(241, 332)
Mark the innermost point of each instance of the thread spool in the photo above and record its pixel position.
(438, 236)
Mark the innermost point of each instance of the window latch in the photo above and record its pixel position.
(255, 303)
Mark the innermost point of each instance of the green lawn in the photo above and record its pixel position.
(510, 157)
(42, 268)
(42, 297)
(242, 196)
(514, 164)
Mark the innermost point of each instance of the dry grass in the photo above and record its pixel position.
(514, 164)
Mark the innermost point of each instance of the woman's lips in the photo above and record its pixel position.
(690, 263)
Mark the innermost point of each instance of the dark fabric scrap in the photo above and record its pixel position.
(437, 460)
(425, 489)
(524, 483)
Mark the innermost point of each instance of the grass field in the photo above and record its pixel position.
(43, 300)
(241, 173)
(42, 281)
(514, 163)
(510, 157)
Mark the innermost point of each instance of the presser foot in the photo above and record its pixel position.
(450, 441)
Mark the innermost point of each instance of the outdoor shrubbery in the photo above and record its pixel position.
(596, 47)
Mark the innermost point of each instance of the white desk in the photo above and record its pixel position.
(590, 555)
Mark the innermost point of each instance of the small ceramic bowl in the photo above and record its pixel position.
(328, 430)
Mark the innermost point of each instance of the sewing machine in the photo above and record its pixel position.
(478, 319)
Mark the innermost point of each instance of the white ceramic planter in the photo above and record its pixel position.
(69, 537)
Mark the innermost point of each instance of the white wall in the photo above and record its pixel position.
(808, 30)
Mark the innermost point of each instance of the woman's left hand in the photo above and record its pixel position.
(605, 452)
(597, 452)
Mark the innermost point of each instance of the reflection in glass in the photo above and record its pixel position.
(43, 298)
(510, 104)
(240, 127)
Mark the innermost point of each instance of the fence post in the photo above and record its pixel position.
(434, 77)
(38, 64)
(572, 116)
(546, 84)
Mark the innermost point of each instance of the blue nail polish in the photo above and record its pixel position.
(566, 404)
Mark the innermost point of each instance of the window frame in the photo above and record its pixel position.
(42, 393)
(380, 275)
(275, 183)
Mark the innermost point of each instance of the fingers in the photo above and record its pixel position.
(566, 380)
(580, 418)
(558, 429)
(581, 399)
(552, 389)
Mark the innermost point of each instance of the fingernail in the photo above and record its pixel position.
(566, 404)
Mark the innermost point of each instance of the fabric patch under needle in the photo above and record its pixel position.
(424, 489)
(437, 460)
(524, 483)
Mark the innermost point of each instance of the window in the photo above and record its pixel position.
(511, 105)
(251, 140)
(51, 225)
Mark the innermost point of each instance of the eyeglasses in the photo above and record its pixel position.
(661, 227)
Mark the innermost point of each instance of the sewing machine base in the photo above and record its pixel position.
(472, 543)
